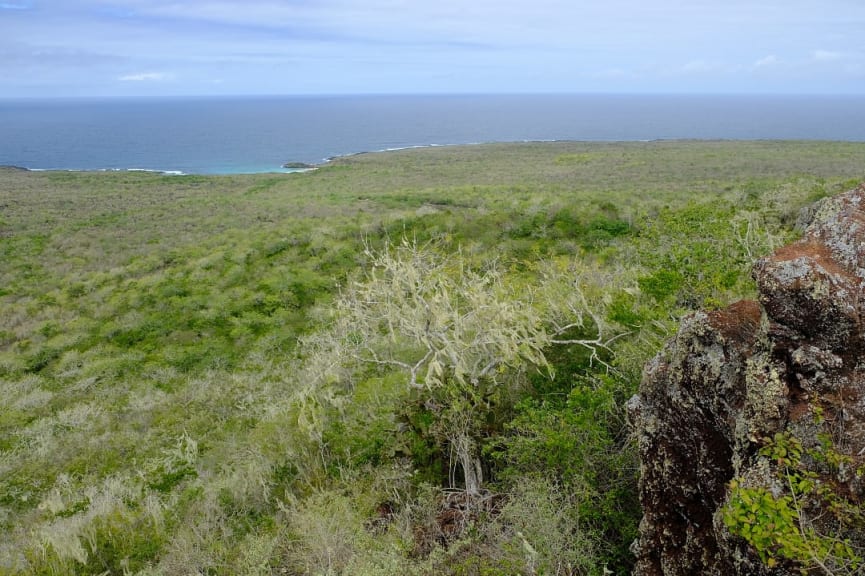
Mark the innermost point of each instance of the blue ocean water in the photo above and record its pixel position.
(259, 134)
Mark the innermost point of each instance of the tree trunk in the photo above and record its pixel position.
(470, 462)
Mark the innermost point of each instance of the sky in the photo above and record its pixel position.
(141, 48)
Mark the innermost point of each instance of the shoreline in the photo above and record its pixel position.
(311, 167)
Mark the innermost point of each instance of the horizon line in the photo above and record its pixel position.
(202, 96)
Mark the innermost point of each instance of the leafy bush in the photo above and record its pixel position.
(581, 443)
(779, 524)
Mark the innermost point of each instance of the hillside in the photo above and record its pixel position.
(412, 362)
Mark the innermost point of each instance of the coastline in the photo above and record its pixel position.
(287, 167)
(298, 167)
(251, 136)
(290, 167)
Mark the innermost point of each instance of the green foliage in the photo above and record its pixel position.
(590, 228)
(699, 255)
(777, 525)
(118, 545)
(769, 524)
(580, 442)
(662, 284)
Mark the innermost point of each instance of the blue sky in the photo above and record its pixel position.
(209, 47)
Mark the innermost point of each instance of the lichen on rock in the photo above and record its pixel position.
(786, 367)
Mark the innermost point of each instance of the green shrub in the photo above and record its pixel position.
(781, 527)
(580, 443)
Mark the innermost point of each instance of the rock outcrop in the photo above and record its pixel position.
(792, 363)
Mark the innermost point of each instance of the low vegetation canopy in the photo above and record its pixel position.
(403, 363)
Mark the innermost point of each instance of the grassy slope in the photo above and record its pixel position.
(148, 323)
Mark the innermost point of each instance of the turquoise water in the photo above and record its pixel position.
(237, 135)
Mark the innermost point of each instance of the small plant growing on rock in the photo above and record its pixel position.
(783, 523)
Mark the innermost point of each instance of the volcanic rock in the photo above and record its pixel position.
(730, 380)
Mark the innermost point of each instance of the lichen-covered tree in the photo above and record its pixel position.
(463, 335)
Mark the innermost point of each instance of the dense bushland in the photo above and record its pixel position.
(400, 363)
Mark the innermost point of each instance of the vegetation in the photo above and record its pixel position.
(784, 527)
(402, 363)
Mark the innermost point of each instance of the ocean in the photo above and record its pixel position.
(260, 134)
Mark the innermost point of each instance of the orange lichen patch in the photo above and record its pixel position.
(799, 411)
(799, 406)
(738, 322)
(814, 250)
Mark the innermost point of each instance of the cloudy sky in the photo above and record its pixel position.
(211, 47)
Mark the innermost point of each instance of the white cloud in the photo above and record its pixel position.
(402, 45)
(144, 77)
(767, 61)
(826, 56)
